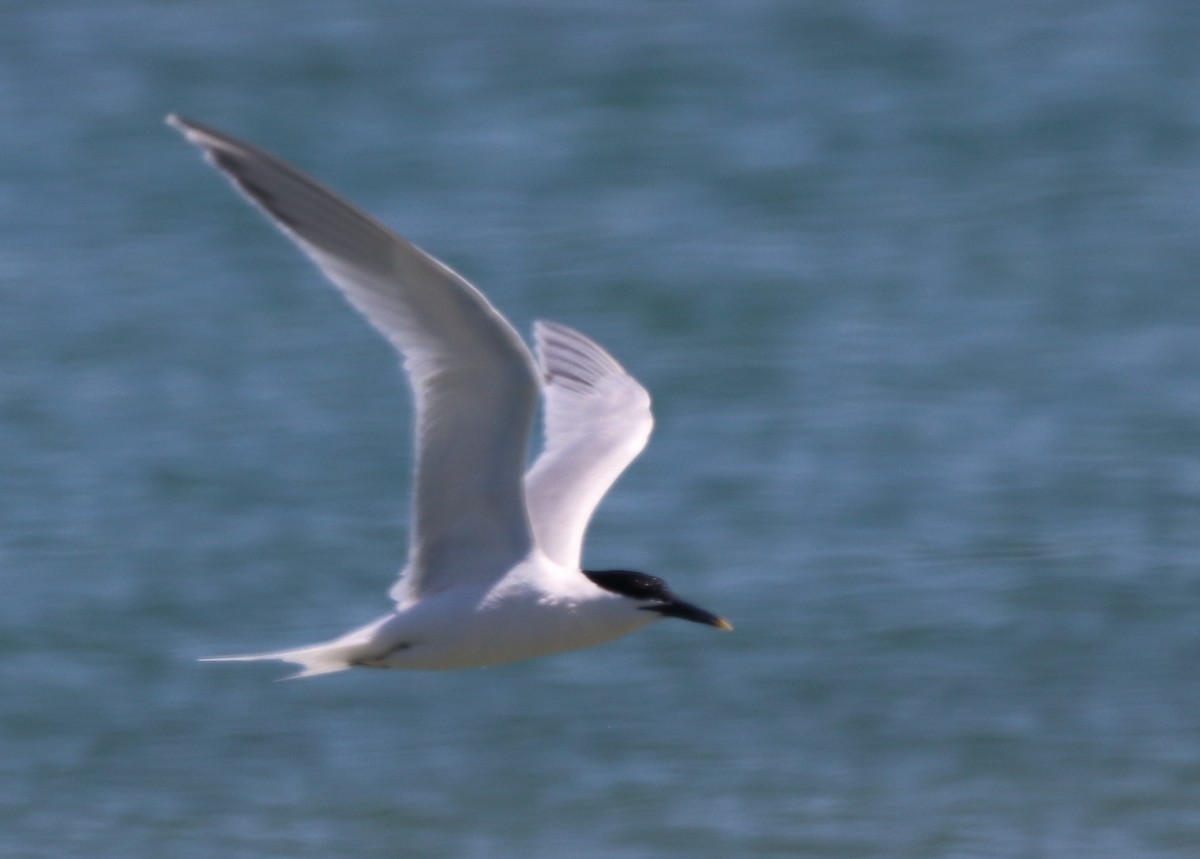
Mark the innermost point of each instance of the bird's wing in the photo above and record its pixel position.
(473, 379)
(597, 420)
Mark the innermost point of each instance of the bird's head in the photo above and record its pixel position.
(652, 594)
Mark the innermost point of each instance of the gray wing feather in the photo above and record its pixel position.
(473, 379)
(597, 420)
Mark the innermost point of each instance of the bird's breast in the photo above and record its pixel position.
(521, 617)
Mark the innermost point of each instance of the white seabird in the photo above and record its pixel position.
(493, 572)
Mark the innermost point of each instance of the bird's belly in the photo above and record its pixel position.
(506, 630)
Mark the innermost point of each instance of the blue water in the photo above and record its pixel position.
(914, 287)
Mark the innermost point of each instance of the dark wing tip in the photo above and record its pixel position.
(570, 358)
(233, 158)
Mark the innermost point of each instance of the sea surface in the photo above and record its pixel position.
(916, 290)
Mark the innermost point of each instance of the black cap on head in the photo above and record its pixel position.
(653, 590)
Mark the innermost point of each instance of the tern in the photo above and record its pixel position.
(494, 566)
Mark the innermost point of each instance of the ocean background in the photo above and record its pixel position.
(914, 287)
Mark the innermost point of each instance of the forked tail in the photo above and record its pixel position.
(355, 648)
(318, 659)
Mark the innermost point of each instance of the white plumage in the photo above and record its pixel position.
(493, 569)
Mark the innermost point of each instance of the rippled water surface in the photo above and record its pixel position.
(914, 287)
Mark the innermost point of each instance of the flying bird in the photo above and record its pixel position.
(494, 565)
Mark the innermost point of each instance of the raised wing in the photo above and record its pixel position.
(473, 379)
(597, 420)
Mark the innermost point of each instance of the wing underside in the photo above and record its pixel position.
(473, 379)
